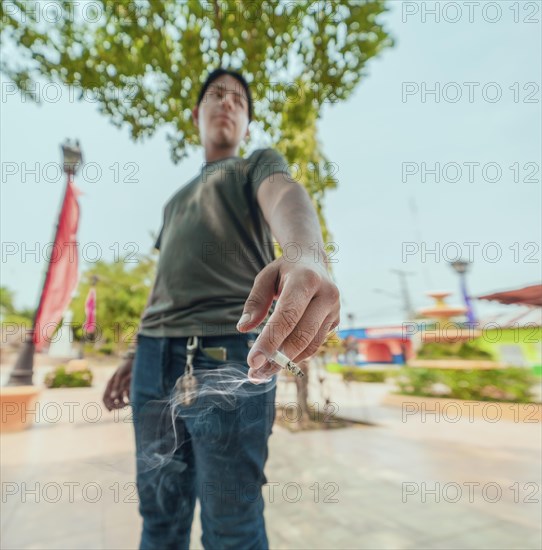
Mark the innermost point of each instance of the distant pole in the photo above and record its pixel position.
(414, 211)
(407, 302)
(461, 267)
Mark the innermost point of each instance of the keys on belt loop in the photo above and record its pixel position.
(187, 384)
(191, 348)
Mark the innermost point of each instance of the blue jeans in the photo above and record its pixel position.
(214, 450)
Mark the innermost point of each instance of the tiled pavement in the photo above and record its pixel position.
(367, 480)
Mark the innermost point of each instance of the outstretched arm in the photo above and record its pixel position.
(307, 307)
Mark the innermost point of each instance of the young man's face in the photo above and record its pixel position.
(222, 115)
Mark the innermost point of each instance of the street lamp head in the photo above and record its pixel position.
(72, 156)
(460, 266)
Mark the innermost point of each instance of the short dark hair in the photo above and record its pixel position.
(219, 72)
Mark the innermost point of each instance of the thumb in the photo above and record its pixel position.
(260, 299)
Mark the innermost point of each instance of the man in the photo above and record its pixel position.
(215, 284)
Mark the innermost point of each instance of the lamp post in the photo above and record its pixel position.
(461, 268)
(22, 372)
(72, 157)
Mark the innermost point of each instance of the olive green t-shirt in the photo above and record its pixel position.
(213, 242)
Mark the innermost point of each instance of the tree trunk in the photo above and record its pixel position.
(302, 385)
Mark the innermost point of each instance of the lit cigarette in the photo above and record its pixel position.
(283, 361)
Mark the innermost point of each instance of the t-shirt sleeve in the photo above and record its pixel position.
(159, 239)
(264, 163)
(158, 242)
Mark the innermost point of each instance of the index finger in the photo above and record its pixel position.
(288, 311)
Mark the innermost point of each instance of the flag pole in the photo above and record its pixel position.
(22, 372)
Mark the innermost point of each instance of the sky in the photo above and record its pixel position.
(461, 94)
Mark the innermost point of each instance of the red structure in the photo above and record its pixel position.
(385, 345)
(528, 296)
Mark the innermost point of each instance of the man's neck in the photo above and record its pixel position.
(214, 155)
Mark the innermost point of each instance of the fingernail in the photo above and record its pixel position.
(257, 360)
(245, 318)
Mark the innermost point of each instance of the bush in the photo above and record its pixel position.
(511, 385)
(107, 349)
(16, 319)
(365, 375)
(453, 350)
(359, 374)
(334, 367)
(60, 378)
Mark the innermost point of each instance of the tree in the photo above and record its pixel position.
(6, 301)
(9, 315)
(144, 61)
(122, 290)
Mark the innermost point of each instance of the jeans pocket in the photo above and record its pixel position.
(236, 347)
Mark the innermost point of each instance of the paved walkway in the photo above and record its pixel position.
(394, 484)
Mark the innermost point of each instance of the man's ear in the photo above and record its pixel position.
(195, 115)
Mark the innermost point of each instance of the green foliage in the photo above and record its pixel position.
(9, 314)
(144, 61)
(6, 301)
(107, 349)
(353, 374)
(122, 290)
(360, 374)
(60, 378)
(301, 148)
(512, 384)
(334, 367)
(17, 319)
(453, 350)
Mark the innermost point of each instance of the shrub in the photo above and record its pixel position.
(364, 375)
(334, 367)
(60, 378)
(453, 350)
(107, 349)
(359, 374)
(512, 384)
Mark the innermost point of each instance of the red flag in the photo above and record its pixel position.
(62, 273)
(89, 325)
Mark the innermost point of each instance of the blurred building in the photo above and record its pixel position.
(375, 345)
(514, 336)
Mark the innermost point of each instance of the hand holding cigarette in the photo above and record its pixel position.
(306, 311)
